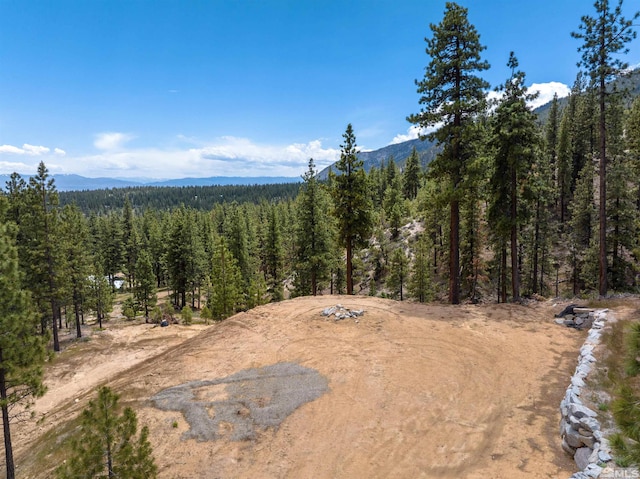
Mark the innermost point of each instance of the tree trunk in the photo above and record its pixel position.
(349, 272)
(515, 270)
(503, 274)
(536, 246)
(454, 253)
(602, 256)
(76, 307)
(8, 448)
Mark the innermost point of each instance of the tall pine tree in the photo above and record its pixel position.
(22, 349)
(452, 95)
(352, 204)
(604, 36)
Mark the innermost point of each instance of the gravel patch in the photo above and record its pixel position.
(239, 405)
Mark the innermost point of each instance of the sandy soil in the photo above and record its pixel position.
(430, 391)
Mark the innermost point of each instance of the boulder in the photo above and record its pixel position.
(582, 457)
(581, 411)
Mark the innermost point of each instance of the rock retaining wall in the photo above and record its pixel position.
(580, 429)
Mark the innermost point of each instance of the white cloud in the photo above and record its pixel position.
(111, 140)
(245, 156)
(546, 92)
(11, 166)
(30, 150)
(413, 132)
(35, 150)
(59, 151)
(11, 149)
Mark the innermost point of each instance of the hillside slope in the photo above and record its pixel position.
(412, 390)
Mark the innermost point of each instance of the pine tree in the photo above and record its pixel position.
(514, 140)
(75, 245)
(100, 294)
(130, 243)
(45, 263)
(563, 175)
(583, 216)
(226, 282)
(411, 175)
(144, 289)
(107, 446)
(352, 205)
(274, 257)
(452, 95)
(632, 137)
(398, 273)
(604, 37)
(420, 277)
(313, 235)
(394, 206)
(22, 350)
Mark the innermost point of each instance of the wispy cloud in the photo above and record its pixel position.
(29, 150)
(111, 140)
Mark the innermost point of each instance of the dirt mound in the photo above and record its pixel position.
(411, 391)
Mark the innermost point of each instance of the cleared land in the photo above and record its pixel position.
(411, 391)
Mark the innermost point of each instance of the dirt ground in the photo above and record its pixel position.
(431, 391)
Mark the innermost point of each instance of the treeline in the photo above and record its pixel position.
(508, 209)
(166, 198)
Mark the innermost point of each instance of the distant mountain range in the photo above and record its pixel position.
(80, 183)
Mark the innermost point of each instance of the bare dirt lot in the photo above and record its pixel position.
(408, 391)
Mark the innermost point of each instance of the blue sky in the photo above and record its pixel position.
(169, 89)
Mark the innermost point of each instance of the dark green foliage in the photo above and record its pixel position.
(398, 273)
(583, 217)
(75, 245)
(100, 295)
(411, 176)
(226, 283)
(202, 198)
(106, 444)
(626, 412)
(604, 37)
(420, 279)
(452, 95)
(145, 290)
(313, 236)
(394, 207)
(274, 258)
(352, 204)
(187, 315)
(22, 350)
(44, 261)
(514, 140)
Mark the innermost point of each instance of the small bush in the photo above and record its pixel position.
(187, 315)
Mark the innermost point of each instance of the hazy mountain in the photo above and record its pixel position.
(81, 183)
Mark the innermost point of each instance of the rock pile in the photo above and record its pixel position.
(339, 312)
(575, 317)
(580, 430)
